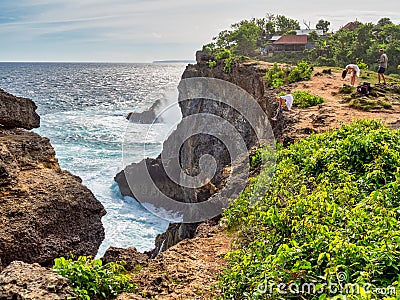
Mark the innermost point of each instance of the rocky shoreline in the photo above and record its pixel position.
(45, 212)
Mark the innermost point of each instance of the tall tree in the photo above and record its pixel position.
(384, 21)
(323, 25)
(245, 37)
(284, 24)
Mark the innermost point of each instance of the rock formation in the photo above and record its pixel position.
(31, 282)
(45, 212)
(17, 112)
(132, 181)
(130, 256)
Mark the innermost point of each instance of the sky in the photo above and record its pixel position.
(148, 30)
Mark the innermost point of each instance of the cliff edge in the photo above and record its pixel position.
(45, 212)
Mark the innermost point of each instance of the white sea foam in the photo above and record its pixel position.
(83, 109)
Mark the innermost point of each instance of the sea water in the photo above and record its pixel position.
(83, 109)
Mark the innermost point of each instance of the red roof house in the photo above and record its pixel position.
(291, 43)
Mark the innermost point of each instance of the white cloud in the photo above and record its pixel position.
(165, 21)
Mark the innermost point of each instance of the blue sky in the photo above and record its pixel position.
(147, 30)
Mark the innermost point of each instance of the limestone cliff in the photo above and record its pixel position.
(45, 212)
(247, 76)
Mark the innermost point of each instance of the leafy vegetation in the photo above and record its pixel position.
(212, 64)
(328, 225)
(339, 48)
(90, 279)
(277, 76)
(304, 99)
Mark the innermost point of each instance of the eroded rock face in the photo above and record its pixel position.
(249, 77)
(45, 212)
(130, 256)
(33, 282)
(17, 112)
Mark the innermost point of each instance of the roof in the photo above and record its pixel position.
(292, 40)
(351, 25)
(275, 37)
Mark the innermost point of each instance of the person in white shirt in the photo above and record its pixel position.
(354, 70)
(286, 99)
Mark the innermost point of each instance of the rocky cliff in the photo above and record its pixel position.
(230, 122)
(45, 212)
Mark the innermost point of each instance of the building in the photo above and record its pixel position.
(291, 43)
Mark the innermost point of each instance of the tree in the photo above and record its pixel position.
(313, 36)
(384, 21)
(284, 24)
(323, 25)
(245, 37)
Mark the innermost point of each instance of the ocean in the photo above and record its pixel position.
(83, 109)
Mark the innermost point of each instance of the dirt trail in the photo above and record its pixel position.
(334, 111)
(186, 271)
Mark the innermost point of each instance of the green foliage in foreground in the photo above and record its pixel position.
(304, 99)
(327, 227)
(91, 279)
(277, 76)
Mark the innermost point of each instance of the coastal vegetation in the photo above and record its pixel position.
(359, 43)
(304, 98)
(278, 76)
(90, 279)
(328, 226)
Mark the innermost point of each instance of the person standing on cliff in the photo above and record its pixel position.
(383, 61)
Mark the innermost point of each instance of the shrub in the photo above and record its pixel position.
(304, 99)
(302, 72)
(361, 64)
(91, 279)
(212, 64)
(276, 76)
(223, 54)
(329, 220)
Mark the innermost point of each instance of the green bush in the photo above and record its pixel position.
(212, 64)
(361, 64)
(302, 72)
(223, 54)
(91, 279)
(276, 76)
(328, 222)
(304, 99)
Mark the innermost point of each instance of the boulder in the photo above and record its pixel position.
(45, 212)
(130, 256)
(17, 112)
(24, 281)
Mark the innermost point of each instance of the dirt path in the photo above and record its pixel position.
(186, 271)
